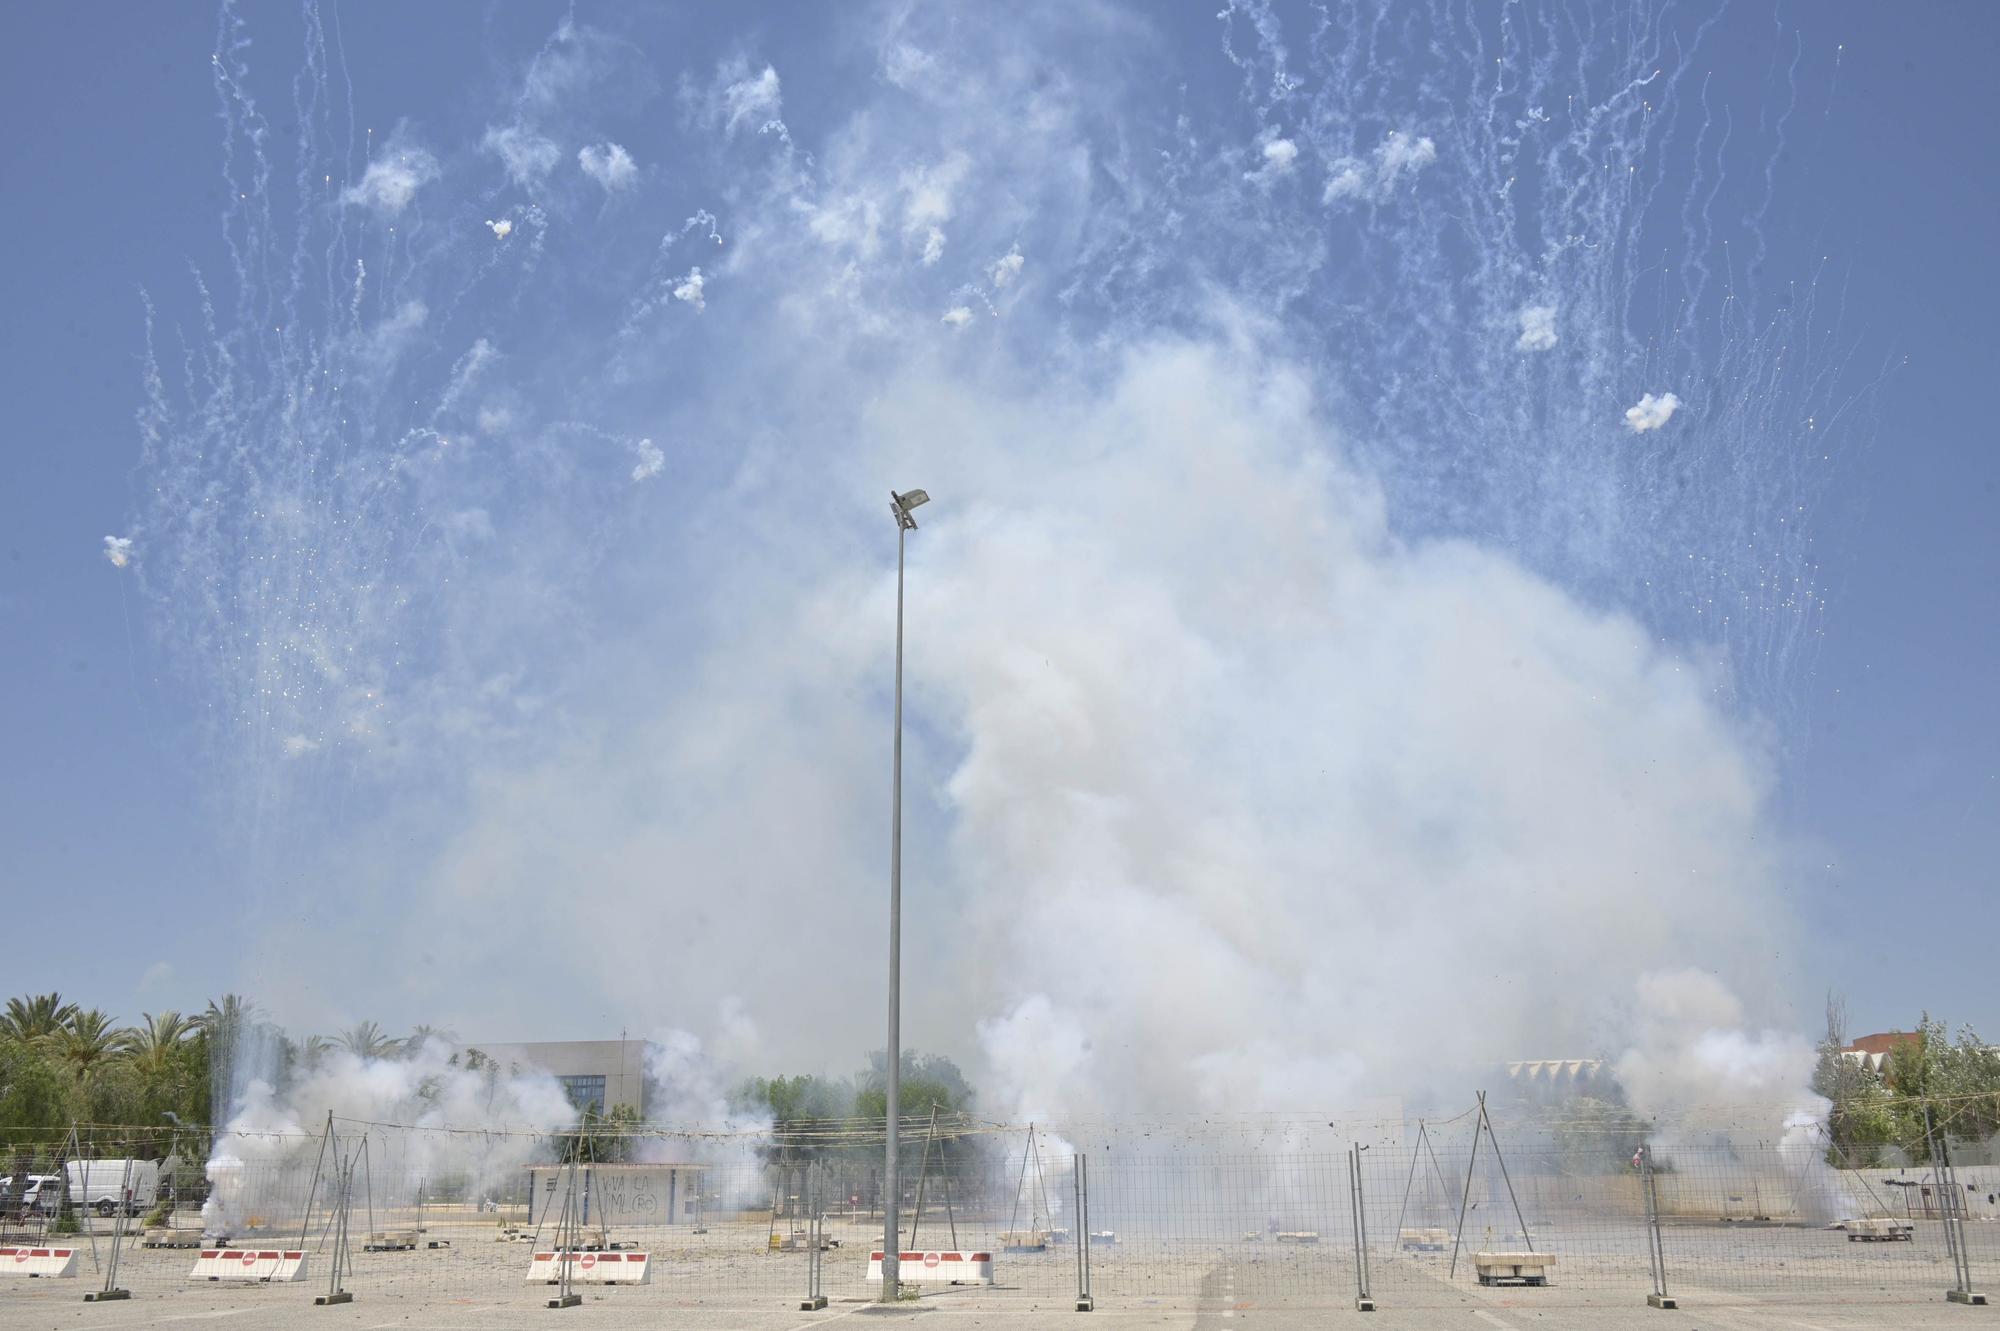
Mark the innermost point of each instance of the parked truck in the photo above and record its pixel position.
(103, 1185)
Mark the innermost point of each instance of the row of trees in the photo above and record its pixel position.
(812, 1118)
(161, 1080)
(1929, 1080)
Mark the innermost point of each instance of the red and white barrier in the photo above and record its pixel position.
(37, 1261)
(592, 1268)
(258, 1264)
(957, 1268)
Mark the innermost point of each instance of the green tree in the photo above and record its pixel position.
(224, 1026)
(86, 1044)
(1957, 1081)
(1597, 1136)
(35, 1017)
(367, 1040)
(928, 1081)
(1861, 1121)
(604, 1139)
(34, 1101)
(427, 1035)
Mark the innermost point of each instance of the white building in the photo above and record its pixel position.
(601, 1074)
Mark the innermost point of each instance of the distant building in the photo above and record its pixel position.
(613, 1195)
(1874, 1051)
(1547, 1079)
(598, 1074)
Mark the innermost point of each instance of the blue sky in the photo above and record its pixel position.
(1227, 459)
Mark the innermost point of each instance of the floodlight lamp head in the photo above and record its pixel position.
(901, 504)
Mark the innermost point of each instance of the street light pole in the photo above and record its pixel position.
(892, 1229)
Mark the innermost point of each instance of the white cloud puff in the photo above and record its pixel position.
(933, 247)
(1402, 152)
(392, 179)
(689, 290)
(751, 99)
(501, 228)
(1651, 412)
(1538, 328)
(1009, 267)
(651, 460)
(958, 316)
(527, 156)
(1279, 157)
(118, 549)
(607, 164)
(1398, 155)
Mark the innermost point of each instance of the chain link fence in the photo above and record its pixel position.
(1333, 1217)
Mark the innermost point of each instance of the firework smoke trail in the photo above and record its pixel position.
(320, 450)
(1515, 243)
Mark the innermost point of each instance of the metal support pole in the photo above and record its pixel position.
(1656, 1252)
(1416, 1153)
(1080, 1175)
(1363, 1300)
(815, 1298)
(1951, 1208)
(342, 1256)
(566, 1241)
(1499, 1159)
(111, 1290)
(892, 1236)
(1471, 1162)
(312, 1190)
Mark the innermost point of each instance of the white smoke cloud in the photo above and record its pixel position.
(608, 164)
(958, 316)
(1538, 328)
(1707, 1077)
(1233, 783)
(1402, 154)
(501, 229)
(1279, 156)
(393, 179)
(1008, 268)
(933, 247)
(262, 1162)
(1692, 1049)
(118, 549)
(651, 460)
(689, 1084)
(689, 289)
(527, 156)
(749, 99)
(1651, 412)
(1375, 179)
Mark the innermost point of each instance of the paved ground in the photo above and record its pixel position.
(298, 1314)
(726, 1280)
(1223, 1304)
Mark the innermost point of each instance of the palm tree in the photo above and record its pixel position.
(86, 1042)
(312, 1051)
(36, 1017)
(152, 1045)
(367, 1040)
(224, 1023)
(224, 1019)
(423, 1035)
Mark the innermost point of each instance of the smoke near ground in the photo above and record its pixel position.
(269, 1153)
(1325, 681)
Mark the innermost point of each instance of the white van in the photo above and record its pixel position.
(101, 1185)
(37, 1194)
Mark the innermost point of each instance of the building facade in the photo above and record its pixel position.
(598, 1074)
